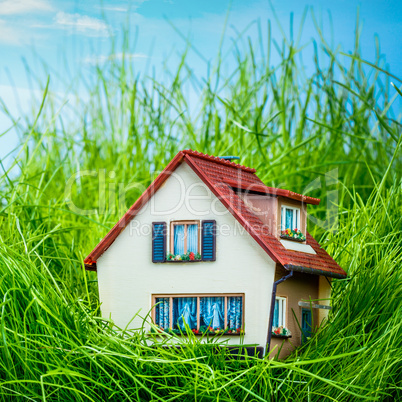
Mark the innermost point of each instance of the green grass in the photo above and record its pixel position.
(294, 126)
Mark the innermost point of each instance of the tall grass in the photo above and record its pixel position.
(294, 126)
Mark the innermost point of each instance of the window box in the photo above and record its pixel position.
(200, 332)
(188, 257)
(212, 314)
(281, 332)
(293, 234)
(291, 238)
(181, 261)
(280, 336)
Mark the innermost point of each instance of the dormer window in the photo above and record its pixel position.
(291, 224)
(290, 218)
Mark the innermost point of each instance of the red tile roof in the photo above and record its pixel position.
(222, 176)
(262, 189)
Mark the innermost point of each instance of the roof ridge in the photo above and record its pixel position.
(217, 159)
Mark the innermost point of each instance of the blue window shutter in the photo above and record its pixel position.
(158, 241)
(208, 241)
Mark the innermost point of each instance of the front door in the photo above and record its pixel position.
(306, 324)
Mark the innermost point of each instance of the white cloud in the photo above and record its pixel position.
(9, 35)
(116, 56)
(83, 24)
(10, 7)
(117, 9)
(123, 7)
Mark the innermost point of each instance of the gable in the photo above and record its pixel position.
(183, 197)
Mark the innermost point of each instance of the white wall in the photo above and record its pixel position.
(127, 277)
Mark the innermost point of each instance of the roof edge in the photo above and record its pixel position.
(314, 271)
(107, 241)
(91, 267)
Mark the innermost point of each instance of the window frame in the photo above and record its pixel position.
(282, 315)
(185, 223)
(296, 211)
(171, 296)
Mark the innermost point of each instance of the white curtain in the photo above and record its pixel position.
(212, 312)
(178, 239)
(162, 312)
(289, 219)
(185, 311)
(192, 238)
(235, 312)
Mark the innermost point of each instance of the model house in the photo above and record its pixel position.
(209, 248)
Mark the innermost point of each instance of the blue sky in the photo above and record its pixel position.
(78, 33)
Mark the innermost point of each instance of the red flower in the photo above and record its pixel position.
(296, 230)
(192, 256)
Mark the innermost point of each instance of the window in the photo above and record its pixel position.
(202, 313)
(184, 237)
(290, 218)
(306, 324)
(279, 312)
(186, 241)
